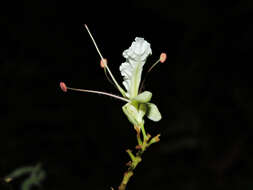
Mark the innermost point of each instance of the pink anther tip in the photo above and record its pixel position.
(103, 63)
(63, 87)
(163, 57)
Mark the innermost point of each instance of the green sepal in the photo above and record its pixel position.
(134, 115)
(142, 110)
(143, 97)
(131, 113)
(153, 112)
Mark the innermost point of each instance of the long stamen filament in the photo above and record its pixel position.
(106, 66)
(114, 80)
(153, 65)
(108, 78)
(143, 82)
(162, 59)
(98, 92)
(102, 65)
(93, 40)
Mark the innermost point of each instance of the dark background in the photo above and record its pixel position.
(203, 91)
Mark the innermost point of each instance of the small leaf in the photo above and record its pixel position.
(144, 97)
(153, 112)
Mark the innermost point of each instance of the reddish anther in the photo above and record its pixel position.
(163, 57)
(103, 63)
(63, 87)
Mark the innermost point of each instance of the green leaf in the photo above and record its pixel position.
(144, 97)
(153, 112)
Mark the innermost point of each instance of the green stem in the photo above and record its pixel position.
(139, 140)
(143, 132)
(129, 173)
(125, 180)
(137, 158)
(137, 128)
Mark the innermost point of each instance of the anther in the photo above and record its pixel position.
(163, 57)
(103, 63)
(63, 87)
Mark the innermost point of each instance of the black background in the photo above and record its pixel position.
(203, 91)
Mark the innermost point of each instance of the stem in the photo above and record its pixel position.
(139, 140)
(143, 132)
(137, 128)
(125, 180)
(137, 158)
(129, 173)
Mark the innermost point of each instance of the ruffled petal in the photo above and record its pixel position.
(131, 70)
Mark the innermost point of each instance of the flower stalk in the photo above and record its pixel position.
(137, 158)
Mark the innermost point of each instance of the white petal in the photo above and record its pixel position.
(131, 70)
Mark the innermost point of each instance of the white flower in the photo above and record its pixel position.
(138, 104)
(131, 70)
(139, 50)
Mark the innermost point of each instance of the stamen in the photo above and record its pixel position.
(106, 75)
(93, 41)
(64, 89)
(162, 59)
(104, 63)
(63, 86)
(153, 65)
